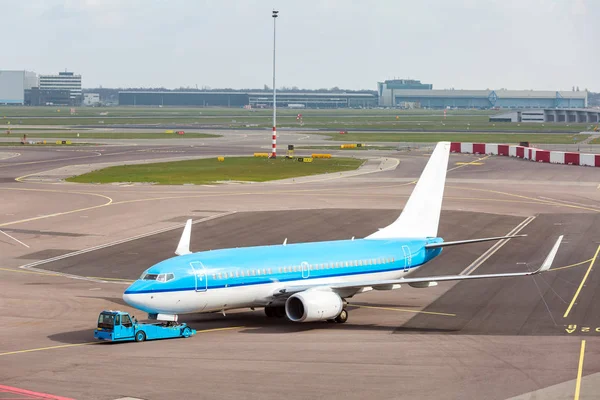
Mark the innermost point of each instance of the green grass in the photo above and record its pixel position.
(334, 119)
(9, 112)
(116, 135)
(509, 138)
(595, 141)
(207, 171)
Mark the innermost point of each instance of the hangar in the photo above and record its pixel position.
(491, 98)
(243, 98)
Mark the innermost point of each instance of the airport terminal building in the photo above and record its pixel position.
(404, 93)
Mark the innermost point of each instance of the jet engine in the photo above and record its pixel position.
(313, 306)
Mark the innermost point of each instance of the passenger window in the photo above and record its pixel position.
(253, 272)
(310, 267)
(264, 271)
(237, 274)
(220, 277)
(214, 276)
(258, 272)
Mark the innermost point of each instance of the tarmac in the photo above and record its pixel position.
(69, 250)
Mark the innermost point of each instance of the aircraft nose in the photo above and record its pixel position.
(131, 299)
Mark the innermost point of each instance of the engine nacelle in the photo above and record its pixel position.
(313, 306)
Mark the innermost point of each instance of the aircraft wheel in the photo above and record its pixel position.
(140, 336)
(343, 317)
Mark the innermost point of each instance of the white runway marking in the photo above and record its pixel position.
(483, 258)
(15, 239)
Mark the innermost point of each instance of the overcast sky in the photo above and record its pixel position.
(352, 44)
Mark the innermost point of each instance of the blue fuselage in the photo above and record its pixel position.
(256, 271)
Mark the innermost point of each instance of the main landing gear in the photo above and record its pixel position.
(343, 317)
(275, 312)
(340, 319)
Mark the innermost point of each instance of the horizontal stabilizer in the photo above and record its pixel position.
(458, 242)
(183, 247)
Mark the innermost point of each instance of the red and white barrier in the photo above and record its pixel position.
(527, 153)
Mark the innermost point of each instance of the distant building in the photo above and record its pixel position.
(402, 92)
(387, 90)
(63, 81)
(13, 85)
(550, 115)
(243, 98)
(48, 97)
(492, 98)
(313, 100)
(91, 99)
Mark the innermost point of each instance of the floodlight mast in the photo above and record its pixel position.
(274, 142)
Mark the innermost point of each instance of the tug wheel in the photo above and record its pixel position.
(140, 336)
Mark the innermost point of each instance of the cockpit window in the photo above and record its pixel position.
(149, 277)
(157, 277)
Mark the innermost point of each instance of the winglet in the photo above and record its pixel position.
(550, 258)
(183, 247)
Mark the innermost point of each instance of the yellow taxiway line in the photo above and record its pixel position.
(579, 371)
(582, 283)
(404, 310)
(90, 343)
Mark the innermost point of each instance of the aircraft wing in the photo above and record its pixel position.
(350, 287)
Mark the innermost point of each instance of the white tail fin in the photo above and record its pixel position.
(421, 215)
(183, 247)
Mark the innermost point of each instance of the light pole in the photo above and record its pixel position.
(274, 153)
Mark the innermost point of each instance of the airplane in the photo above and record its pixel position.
(308, 282)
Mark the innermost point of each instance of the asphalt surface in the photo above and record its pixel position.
(491, 339)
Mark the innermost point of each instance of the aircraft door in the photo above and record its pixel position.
(407, 257)
(305, 270)
(200, 276)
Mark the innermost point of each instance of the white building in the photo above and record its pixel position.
(13, 85)
(62, 81)
(91, 99)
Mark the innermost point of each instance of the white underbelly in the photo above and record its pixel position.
(262, 294)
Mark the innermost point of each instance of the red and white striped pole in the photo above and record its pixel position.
(274, 143)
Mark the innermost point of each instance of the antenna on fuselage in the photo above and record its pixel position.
(183, 247)
(285, 242)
